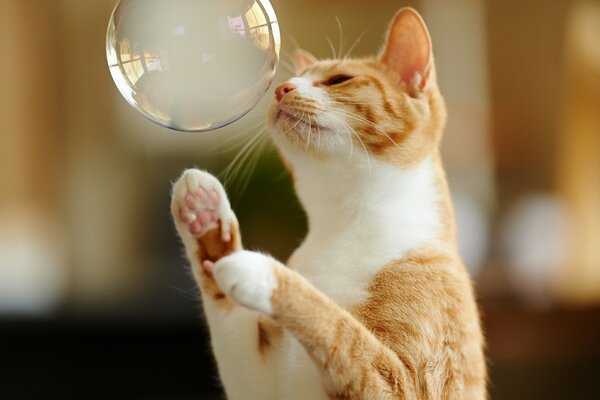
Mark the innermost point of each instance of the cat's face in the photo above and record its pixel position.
(386, 107)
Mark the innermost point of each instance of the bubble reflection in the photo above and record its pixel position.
(193, 65)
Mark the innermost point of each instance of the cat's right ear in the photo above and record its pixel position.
(303, 60)
(407, 50)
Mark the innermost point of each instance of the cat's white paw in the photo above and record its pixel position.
(248, 278)
(199, 202)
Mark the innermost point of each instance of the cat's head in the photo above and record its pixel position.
(387, 107)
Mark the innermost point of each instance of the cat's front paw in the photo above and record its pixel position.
(248, 278)
(199, 204)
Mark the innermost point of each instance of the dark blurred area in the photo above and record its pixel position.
(95, 298)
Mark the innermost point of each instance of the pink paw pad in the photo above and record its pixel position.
(200, 210)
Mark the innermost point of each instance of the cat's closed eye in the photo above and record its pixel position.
(337, 79)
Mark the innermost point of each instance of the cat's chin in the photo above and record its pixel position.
(297, 129)
(294, 136)
(302, 125)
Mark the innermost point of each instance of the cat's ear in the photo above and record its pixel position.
(407, 50)
(303, 60)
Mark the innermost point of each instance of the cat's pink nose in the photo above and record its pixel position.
(282, 89)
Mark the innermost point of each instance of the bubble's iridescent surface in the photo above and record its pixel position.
(193, 65)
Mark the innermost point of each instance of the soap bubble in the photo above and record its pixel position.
(193, 65)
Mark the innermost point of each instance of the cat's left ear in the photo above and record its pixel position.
(303, 60)
(407, 50)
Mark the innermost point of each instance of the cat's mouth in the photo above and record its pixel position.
(299, 122)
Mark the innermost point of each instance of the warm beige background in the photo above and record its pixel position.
(84, 178)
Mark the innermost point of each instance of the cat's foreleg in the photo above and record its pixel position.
(209, 230)
(353, 362)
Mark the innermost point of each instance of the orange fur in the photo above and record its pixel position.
(416, 337)
(417, 333)
(393, 125)
(212, 248)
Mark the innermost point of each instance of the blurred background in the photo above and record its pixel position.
(95, 298)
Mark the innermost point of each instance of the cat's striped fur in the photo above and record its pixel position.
(375, 304)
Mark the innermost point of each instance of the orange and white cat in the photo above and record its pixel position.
(375, 303)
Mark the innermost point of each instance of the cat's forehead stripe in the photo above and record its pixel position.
(326, 68)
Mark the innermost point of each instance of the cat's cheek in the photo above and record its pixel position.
(248, 278)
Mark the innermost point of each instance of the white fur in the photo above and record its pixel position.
(248, 278)
(363, 214)
(360, 219)
(336, 135)
(304, 87)
(233, 333)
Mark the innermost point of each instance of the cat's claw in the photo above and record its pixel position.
(200, 204)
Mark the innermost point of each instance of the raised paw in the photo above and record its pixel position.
(248, 278)
(203, 217)
(200, 204)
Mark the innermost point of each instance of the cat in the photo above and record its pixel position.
(376, 302)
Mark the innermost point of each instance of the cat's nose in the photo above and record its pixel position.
(282, 89)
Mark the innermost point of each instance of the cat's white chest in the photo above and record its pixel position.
(359, 223)
(352, 236)
(338, 267)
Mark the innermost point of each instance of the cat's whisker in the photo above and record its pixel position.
(188, 294)
(234, 172)
(351, 103)
(255, 154)
(356, 41)
(239, 139)
(296, 124)
(350, 114)
(341, 35)
(351, 144)
(257, 114)
(357, 136)
(379, 130)
(333, 52)
(359, 118)
(363, 145)
(318, 136)
(309, 132)
(366, 121)
(231, 171)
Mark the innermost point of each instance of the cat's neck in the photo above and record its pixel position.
(378, 202)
